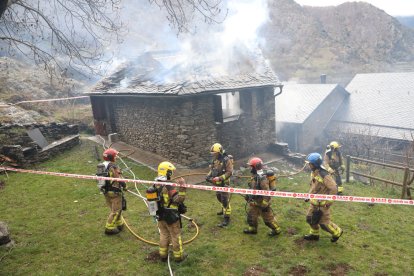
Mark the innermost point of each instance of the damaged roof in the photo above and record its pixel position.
(381, 102)
(172, 73)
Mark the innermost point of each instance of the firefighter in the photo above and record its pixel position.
(260, 205)
(332, 161)
(221, 169)
(319, 214)
(113, 192)
(169, 208)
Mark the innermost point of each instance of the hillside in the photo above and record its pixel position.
(343, 40)
(64, 233)
(22, 82)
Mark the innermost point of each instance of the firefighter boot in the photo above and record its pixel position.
(251, 230)
(113, 231)
(225, 222)
(335, 238)
(311, 237)
(340, 190)
(274, 232)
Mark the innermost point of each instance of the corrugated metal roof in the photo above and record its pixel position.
(170, 73)
(371, 130)
(298, 101)
(384, 99)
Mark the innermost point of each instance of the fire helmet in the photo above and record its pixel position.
(110, 154)
(216, 148)
(334, 145)
(314, 159)
(165, 169)
(256, 163)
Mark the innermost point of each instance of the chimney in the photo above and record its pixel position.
(323, 78)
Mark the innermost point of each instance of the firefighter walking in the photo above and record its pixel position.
(319, 213)
(260, 205)
(332, 161)
(113, 192)
(170, 201)
(221, 169)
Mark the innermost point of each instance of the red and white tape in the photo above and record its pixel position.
(392, 201)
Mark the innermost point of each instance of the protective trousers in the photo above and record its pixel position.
(224, 199)
(267, 215)
(114, 202)
(325, 222)
(171, 233)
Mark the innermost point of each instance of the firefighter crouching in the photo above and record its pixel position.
(113, 191)
(319, 214)
(170, 205)
(221, 169)
(260, 205)
(333, 163)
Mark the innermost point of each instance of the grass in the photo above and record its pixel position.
(57, 224)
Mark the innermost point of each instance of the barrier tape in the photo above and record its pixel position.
(45, 100)
(281, 194)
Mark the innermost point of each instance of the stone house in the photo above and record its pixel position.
(303, 112)
(163, 105)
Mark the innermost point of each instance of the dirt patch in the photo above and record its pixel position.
(300, 242)
(298, 270)
(339, 269)
(292, 231)
(153, 257)
(254, 271)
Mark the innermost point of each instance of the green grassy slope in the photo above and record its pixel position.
(57, 224)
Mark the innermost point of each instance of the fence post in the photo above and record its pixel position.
(404, 188)
(348, 167)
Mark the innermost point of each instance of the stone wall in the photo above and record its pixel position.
(183, 129)
(17, 145)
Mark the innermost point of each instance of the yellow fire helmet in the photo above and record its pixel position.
(334, 145)
(165, 170)
(216, 148)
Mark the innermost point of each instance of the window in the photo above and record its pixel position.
(230, 105)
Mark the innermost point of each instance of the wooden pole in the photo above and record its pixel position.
(348, 167)
(404, 188)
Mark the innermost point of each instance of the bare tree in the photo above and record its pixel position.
(182, 12)
(73, 34)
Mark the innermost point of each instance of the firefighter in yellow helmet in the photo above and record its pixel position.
(221, 169)
(170, 203)
(260, 205)
(113, 192)
(333, 162)
(319, 213)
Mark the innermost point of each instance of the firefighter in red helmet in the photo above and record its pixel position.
(260, 205)
(113, 192)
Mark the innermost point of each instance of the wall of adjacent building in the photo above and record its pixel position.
(182, 129)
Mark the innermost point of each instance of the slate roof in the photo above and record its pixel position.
(381, 100)
(170, 73)
(298, 101)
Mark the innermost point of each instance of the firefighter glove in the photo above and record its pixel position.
(216, 179)
(330, 170)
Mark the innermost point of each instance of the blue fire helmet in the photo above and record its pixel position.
(315, 159)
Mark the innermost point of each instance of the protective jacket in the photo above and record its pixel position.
(332, 160)
(221, 167)
(259, 205)
(169, 220)
(318, 214)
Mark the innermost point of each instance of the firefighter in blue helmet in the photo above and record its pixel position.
(333, 163)
(319, 213)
